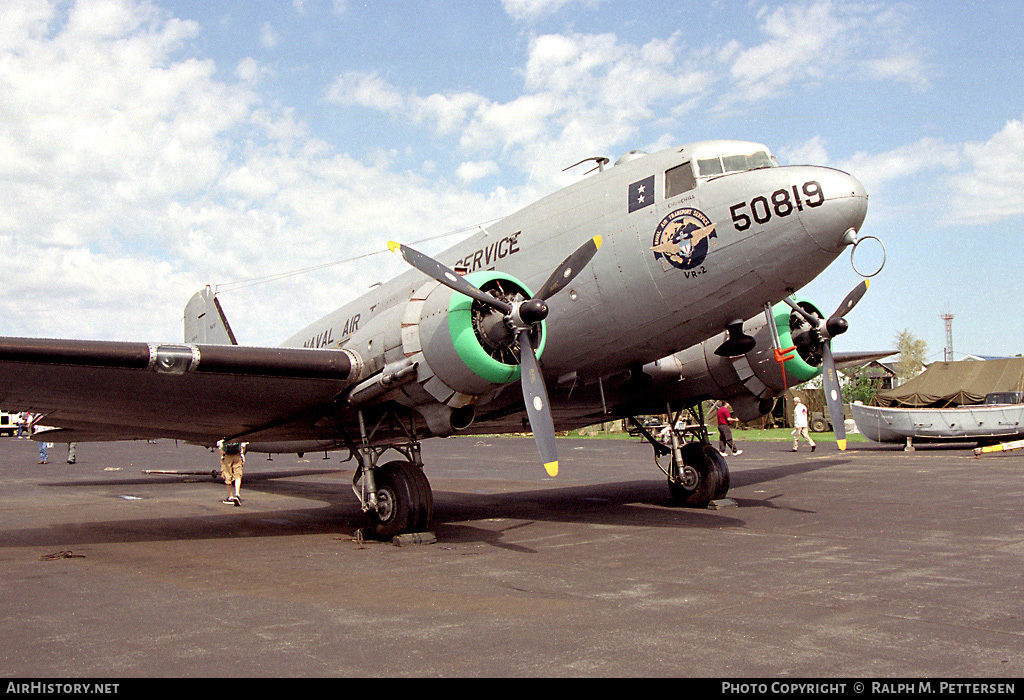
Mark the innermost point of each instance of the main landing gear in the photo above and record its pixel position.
(697, 474)
(396, 495)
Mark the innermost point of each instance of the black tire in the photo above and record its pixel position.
(425, 515)
(818, 425)
(722, 469)
(708, 476)
(399, 500)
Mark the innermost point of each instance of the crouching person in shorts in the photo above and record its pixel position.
(232, 458)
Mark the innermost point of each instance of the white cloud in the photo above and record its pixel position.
(991, 188)
(806, 44)
(970, 183)
(366, 89)
(22, 21)
(472, 171)
(902, 52)
(582, 93)
(901, 181)
(268, 36)
(447, 112)
(907, 68)
(249, 70)
(594, 93)
(130, 176)
(796, 48)
(877, 170)
(810, 152)
(530, 10)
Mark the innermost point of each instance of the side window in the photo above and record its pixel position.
(679, 179)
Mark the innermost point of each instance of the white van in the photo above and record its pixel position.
(8, 423)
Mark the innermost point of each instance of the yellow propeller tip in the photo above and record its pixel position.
(842, 444)
(597, 241)
(551, 468)
(394, 246)
(867, 283)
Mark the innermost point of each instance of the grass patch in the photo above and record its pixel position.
(751, 434)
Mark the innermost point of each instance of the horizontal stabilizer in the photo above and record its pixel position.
(857, 358)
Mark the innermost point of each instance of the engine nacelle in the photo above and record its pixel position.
(463, 349)
(749, 382)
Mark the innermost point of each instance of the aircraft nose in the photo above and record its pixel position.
(843, 204)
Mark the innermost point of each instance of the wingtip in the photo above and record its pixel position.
(551, 468)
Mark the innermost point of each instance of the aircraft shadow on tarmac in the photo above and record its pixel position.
(624, 504)
(762, 475)
(251, 478)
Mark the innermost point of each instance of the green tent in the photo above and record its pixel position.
(955, 384)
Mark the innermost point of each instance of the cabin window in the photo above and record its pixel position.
(679, 179)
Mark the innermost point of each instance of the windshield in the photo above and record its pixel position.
(720, 165)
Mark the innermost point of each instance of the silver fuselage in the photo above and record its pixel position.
(775, 229)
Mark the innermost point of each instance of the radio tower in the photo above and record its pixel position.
(948, 352)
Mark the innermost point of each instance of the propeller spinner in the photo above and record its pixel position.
(520, 317)
(825, 330)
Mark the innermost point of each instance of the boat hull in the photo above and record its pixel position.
(960, 424)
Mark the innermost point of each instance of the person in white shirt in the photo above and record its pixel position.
(800, 425)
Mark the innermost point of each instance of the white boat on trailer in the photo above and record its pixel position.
(991, 421)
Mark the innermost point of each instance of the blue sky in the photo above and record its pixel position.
(150, 148)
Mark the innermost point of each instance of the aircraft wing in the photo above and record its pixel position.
(102, 390)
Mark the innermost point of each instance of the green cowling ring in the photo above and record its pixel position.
(460, 326)
(797, 367)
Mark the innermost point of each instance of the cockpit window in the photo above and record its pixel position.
(710, 166)
(759, 160)
(679, 179)
(734, 163)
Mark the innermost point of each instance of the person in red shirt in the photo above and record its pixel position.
(725, 419)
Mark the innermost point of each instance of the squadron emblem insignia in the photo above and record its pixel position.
(682, 239)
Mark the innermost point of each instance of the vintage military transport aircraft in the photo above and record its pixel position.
(676, 282)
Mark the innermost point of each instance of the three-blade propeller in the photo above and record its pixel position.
(521, 317)
(826, 330)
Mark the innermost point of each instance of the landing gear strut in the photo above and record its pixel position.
(395, 496)
(697, 473)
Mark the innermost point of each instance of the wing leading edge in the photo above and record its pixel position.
(106, 390)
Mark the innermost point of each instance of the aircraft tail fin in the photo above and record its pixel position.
(205, 322)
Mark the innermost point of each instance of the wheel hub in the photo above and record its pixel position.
(688, 477)
(385, 505)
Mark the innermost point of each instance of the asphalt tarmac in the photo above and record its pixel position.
(868, 563)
